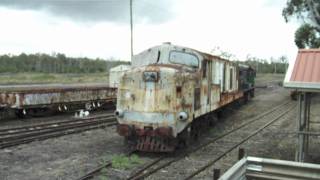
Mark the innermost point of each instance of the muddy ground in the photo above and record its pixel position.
(71, 156)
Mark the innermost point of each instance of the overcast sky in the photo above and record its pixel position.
(100, 28)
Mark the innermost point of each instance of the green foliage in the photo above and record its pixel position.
(124, 162)
(308, 34)
(57, 63)
(295, 8)
(279, 65)
(102, 177)
(135, 159)
(120, 162)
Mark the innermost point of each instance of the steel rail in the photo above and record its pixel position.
(46, 130)
(210, 163)
(95, 171)
(11, 130)
(146, 173)
(141, 172)
(53, 135)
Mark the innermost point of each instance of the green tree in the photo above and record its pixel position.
(308, 11)
(55, 63)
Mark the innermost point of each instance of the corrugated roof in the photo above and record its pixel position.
(304, 72)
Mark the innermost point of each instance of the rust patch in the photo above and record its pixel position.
(205, 90)
(226, 98)
(197, 103)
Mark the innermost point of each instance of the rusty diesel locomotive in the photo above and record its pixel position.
(171, 92)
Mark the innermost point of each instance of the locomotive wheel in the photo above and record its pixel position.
(195, 130)
(251, 93)
(184, 138)
(213, 119)
(246, 98)
(130, 142)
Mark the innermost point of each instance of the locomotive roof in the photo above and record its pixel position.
(206, 56)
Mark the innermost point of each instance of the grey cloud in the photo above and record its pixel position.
(149, 11)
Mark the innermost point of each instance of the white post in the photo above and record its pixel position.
(131, 28)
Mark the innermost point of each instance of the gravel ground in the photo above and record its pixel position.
(66, 157)
(70, 157)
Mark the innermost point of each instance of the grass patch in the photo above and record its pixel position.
(47, 78)
(124, 162)
(135, 159)
(102, 177)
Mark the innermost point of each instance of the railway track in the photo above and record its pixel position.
(26, 134)
(262, 121)
(95, 171)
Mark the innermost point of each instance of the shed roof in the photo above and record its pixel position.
(304, 73)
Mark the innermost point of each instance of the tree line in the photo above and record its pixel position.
(55, 63)
(274, 65)
(59, 63)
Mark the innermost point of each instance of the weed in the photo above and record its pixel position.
(135, 159)
(124, 162)
(121, 162)
(102, 177)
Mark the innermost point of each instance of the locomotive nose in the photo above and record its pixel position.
(118, 113)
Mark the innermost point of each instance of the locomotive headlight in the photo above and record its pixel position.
(182, 116)
(150, 76)
(119, 113)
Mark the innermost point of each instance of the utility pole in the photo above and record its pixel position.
(131, 29)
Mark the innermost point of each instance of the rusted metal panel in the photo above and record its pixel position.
(304, 72)
(41, 95)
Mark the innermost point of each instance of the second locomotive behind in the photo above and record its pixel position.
(166, 96)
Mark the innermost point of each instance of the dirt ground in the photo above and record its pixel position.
(71, 156)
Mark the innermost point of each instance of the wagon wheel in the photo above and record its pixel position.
(20, 113)
(38, 112)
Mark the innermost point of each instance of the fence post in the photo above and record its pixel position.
(241, 153)
(216, 174)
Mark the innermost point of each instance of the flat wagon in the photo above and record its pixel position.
(24, 98)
